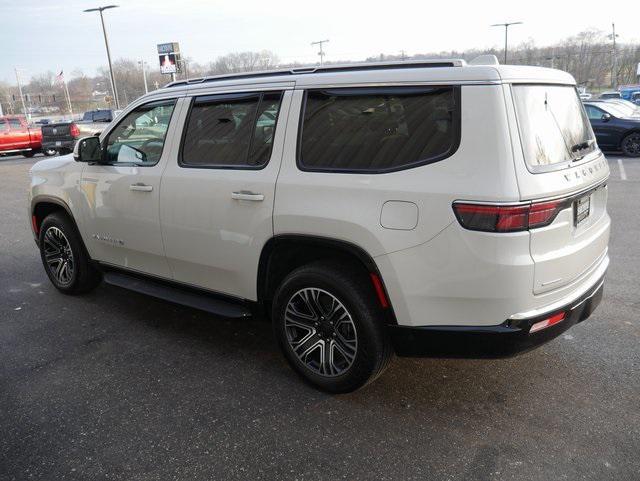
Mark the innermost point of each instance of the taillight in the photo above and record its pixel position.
(506, 218)
(75, 131)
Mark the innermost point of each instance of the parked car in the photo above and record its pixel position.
(627, 109)
(615, 127)
(16, 137)
(432, 208)
(630, 92)
(62, 136)
(611, 95)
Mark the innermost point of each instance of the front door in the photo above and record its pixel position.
(122, 222)
(217, 200)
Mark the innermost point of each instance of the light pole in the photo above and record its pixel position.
(144, 75)
(24, 107)
(106, 43)
(506, 34)
(321, 52)
(614, 60)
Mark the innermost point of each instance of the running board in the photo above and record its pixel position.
(198, 300)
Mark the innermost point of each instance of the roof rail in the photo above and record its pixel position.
(435, 63)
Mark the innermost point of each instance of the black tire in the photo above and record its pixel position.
(630, 145)
(80, 274)
(50, 152)
(28, 154)
(352, 289)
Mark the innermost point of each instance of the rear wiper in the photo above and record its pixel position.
(581, 146)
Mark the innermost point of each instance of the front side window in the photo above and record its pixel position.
(378, 129)
(3, 126)
(593, 113)
(139, 138)
(553, 125)
(231, 131)
(15, 124)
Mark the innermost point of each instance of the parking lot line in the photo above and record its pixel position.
(623, 173)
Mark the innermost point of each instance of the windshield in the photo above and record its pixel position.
(553, 125)
(618, 110)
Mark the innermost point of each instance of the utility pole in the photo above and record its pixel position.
(24, 107)
(614, 60)
(506, 35)
(144, 75)
(321, 52)
(106, 43)
(402, 55)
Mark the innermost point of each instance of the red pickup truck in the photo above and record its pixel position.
(16, 137)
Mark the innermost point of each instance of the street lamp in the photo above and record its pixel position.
(106, 43)
(506, 30)
(142, 64)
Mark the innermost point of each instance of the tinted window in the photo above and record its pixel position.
(236, 131)
(102, 116)
(378, 129)
(88, 116)
(15, 123)
(139, 137)
(3, 126)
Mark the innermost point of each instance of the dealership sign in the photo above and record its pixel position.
(169, 56)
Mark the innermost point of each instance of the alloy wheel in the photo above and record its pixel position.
(632, 145)
(321, 332)
(58, 255)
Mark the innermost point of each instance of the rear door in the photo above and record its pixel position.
(19, 134)
(601, 128)
(557, 160)
(217, 200)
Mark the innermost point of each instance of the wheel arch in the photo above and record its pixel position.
(627, 134)
(42, 206)
(284, 253)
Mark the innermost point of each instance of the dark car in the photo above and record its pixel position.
(62, 136)
(616, 128)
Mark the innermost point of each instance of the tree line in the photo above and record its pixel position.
(588, 56)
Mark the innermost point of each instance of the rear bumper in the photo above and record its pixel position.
(503, 340)
(58, 144)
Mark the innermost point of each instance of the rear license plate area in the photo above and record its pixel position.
(581, 210)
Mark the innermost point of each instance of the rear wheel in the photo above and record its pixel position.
(330, 328)
(28, 154)
(631, 145)
(50, 152)
(64, 256)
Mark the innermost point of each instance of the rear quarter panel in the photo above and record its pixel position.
(348, 206)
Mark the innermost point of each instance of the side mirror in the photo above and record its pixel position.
(87, 149)
(606, 117)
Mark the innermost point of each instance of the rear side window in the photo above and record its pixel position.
(234, 131)
(15, 123)
(378, 129)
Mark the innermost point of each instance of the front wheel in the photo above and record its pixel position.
(28, 154)
(50, 152)
(330, 327)
(631, 145)
(64, 256)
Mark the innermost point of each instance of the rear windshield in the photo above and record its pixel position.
(553, 125)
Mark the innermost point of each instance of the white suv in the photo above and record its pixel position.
(429, 208)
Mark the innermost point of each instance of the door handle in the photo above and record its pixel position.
(246, 195)
(140, 187)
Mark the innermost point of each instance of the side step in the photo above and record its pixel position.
(187, 297)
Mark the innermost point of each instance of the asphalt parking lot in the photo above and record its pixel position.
(115, 385)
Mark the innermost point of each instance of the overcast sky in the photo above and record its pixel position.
(41, 35)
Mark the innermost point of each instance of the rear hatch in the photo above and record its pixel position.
(58, 131)
(559, 162)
